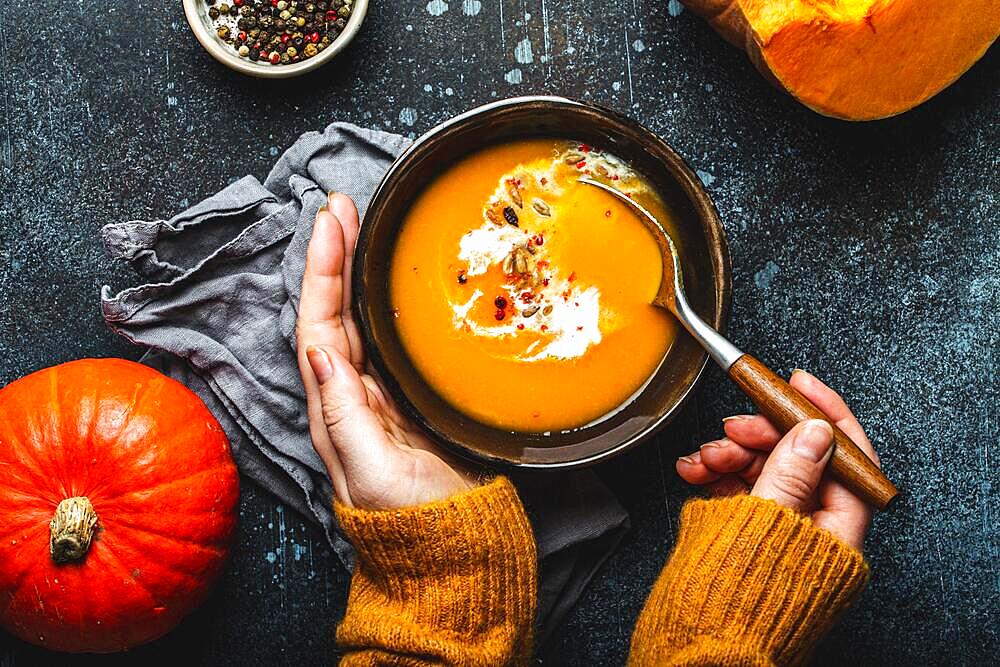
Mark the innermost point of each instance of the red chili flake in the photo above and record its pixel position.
(242, 36)
(576, 303)
(275, 57)
(544, 327)
(238, 3)
(581, 164)
(584, 148)
(274, 3)
(285, 38)
(500, 314)
(572, 276)
(545, 282)
(314, 38)
(330, 15)
(538, 239)
(542, 263)
(527, 297)
(628, 194)
(520, 326)
(500, 302)
(257, 46)
(615, 177)
(544, 180)
(607, 214)
(579, 328)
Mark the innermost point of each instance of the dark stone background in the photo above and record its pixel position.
(867, 253)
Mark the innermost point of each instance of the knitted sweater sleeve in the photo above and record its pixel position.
(748, 583)
(451, 582)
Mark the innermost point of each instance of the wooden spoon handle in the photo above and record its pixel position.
(785, 407)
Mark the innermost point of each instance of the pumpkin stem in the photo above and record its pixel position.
(71, 530)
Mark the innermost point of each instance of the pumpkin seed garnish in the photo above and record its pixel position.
(520, 263)
(547, 310)
(508, 265)
(602, 170)
(514, 194)
(541, 207)
(530, 248)
(572, 157)
(492, 216)
(529, 311)
(510, 216)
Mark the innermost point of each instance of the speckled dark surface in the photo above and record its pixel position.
(865, 253)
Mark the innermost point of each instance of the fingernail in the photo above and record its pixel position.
(813, 441)
(799, 370)
(686, 459)
(320, 363)
(716, 444)
(341, 205)
(321, 209)
(737, 418)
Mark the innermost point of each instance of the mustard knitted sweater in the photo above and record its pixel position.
(454, 583)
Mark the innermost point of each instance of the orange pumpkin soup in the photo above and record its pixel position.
(523, 296)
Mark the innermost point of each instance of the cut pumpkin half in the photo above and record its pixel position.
(858, 59)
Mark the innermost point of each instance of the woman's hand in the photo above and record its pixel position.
(754, 457)
(376, 458)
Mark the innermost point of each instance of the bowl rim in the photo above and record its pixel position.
(700, 201)
(222, 53)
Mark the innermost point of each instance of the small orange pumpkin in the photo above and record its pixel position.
(117, 504)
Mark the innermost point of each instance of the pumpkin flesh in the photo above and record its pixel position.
(858, 59)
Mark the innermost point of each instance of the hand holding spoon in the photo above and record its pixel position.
(776, 399)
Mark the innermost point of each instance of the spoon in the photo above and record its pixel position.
(781, 403)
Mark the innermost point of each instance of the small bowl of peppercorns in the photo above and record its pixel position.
(274, 38)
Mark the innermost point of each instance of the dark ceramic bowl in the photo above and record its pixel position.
(705, 259)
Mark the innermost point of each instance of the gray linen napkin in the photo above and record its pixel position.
(218, 312)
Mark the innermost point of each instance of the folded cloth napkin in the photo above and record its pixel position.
(218, 312)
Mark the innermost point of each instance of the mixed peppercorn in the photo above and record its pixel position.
(279, 32)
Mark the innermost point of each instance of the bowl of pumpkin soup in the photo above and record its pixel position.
(507, 306)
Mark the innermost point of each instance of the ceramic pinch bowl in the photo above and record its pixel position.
(705, 260)
(196, 12)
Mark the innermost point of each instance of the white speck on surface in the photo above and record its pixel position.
(471, 7)
(273, 151)
(522, 52)
(765, 276)
(409, 28)
(449, 91)
(570, 50)
(638, 46)
(437, 7)
(428, 88)
(709, 87)
(674, 8)
(514, 76)
(932, 286)
(171, 101)
(616, 86)
(408, 116)
(706, 177)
